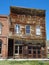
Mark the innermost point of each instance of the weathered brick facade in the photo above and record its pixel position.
(23, 17)
(4, 35)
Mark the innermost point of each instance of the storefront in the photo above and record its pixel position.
(21, 48)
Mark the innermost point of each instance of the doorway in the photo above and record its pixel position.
(10, 48)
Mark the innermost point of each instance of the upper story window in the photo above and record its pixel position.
(0, 28)
(38, 30)
(27, 29)
(17, 28)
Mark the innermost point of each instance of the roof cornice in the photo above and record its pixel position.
(27, 11)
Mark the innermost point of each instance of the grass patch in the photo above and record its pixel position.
(7, 62)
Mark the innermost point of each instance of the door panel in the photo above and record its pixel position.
(10, 47)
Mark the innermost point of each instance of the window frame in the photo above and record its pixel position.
(30, 49)
(25, 30)
(17, 29)
(38, 30)
(18, 49)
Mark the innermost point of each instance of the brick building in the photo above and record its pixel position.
(23, 34)
(4, 31)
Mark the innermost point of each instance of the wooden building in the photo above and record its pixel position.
(26, 34)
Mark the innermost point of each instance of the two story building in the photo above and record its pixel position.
(23, 34)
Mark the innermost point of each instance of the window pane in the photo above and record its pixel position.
(38, 51)
(34, 51)
(20, 47)
(34, 47)
(17, 42)
(27, 28)
(16, 47)
(29, 51)
(17, 28)
(0, 44)
(27, 31)
(38, 31)
(16, 51)
(29, 47)
(20, 51)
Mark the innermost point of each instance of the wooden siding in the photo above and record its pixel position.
(33, 21)
(33, 18)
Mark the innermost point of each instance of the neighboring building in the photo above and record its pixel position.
(47, 43)
(4, 31)
(24, 34)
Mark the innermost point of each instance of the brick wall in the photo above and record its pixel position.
(4, 35)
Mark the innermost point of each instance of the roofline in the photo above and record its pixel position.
(27, 8)
(4, 16)
(30, 11)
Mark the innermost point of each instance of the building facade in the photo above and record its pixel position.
(4, 31)
(24, 35)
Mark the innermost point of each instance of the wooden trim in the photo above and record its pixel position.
(27, 11)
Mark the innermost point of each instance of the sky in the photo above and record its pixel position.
(38, 4)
